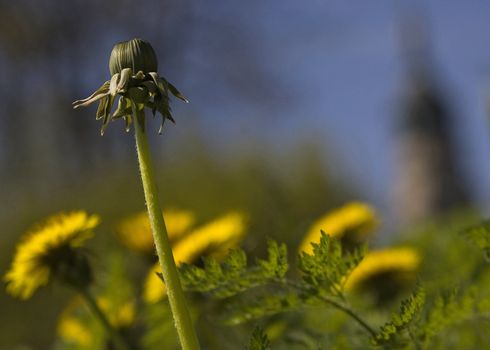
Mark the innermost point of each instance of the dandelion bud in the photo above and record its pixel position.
(136, 54)
(134, 78)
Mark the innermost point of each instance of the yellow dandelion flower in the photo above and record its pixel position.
(353, 221)
(135, 231)
(225, 231)
(52, 248)
(214, 237)
(396, 262)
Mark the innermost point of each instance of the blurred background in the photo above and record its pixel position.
(296, 107)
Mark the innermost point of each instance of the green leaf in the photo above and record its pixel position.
(259, 340)
(328, 268)
(233, 276)
(448, 310)
(410, 310)
(276, 264)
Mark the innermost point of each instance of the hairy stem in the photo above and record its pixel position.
(183, 321)
(118, 341)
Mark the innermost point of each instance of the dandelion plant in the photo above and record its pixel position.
(53, 250)
(133, 66)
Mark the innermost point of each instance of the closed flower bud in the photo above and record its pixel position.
(134, 78)
(136, 54)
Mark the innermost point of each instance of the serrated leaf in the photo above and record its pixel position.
(328, 267)
(410, 310)
(233, 276)
(447, 310)
(276, 264)
(259, 340)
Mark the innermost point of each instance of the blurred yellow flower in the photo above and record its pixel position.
(354, 221)
(73, 331)
(71, 328)
(51, 248)
(120, 315)
(214, 238)
(396, 262)
(76, 325)
(135, 231)
(154, 289)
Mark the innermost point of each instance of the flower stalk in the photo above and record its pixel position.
(133, 66)
(116, 338)
(183, 321)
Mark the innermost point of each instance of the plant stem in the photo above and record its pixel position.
(349, 312)
(119, 343)
(183, 322)
(335, 304)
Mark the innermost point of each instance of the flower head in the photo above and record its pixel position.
(381, 266)
(133, 66)
(214, 238)
(136, 54)
(52, 249)
(350, 223)
(135, 231)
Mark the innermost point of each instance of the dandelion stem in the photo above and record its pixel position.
(183, 321)
(119, 343)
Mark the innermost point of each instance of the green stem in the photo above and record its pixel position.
(349, 312)
(119, 343)
(335, 304)
(183, 321)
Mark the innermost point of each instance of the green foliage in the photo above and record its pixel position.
(232, 276)
(446, 311)
(410, 310)
(421, 324)
(259, 340)
(480, 235)
(276, 265)
(327, 269)
(308, 307)
(262, 290)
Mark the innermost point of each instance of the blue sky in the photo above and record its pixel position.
(341, 76)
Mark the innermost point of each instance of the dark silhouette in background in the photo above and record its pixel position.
(429, 177)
